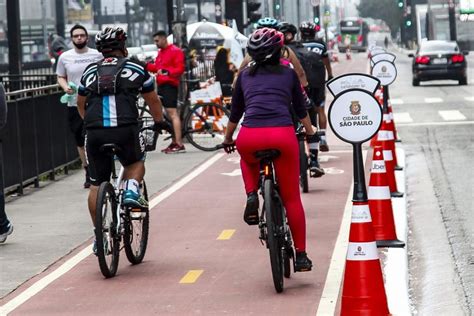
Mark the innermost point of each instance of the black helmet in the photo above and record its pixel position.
(111, 38)
(264, 44)
(286, 27)
(308, 29)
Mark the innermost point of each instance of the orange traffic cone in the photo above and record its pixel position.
(363, 291)
(380, 204)
(395, 132)
(389, 166)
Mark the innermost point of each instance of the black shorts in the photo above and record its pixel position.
(318, 96)
(76, 125)
(127, 138)
(168, 95)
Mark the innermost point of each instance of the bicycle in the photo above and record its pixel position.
(115, 223)
(304, 159)
(204, 124)
(273, 224)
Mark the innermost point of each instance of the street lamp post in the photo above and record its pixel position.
(452, 20)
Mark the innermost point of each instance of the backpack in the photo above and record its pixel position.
(312, 64)
(108, 71)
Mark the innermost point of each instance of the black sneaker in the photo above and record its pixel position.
(323, 145)
(315, 170)
(302, 262)
(87, 182)
(251, 209)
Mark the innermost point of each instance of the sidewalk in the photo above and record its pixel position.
(53, 220)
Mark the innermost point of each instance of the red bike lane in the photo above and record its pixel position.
(188, 269)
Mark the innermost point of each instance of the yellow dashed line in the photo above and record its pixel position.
(226, 234)
(191, 276)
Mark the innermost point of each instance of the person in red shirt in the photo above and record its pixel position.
(169, 66)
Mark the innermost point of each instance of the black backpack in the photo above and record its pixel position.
(312, 64)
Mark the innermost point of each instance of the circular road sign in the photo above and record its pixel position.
(385, 71)
(355, 116)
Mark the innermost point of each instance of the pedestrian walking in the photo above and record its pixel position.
(71, 65)
(6, 228)
(169, 66)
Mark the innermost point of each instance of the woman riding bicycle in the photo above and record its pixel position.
(267, 93)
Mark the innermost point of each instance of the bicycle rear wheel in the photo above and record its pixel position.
(107, 238)
(135, 238)
(205, 126)
(274, 244)
(303, 166)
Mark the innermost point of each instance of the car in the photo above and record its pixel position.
(437, 60)
(150, 52)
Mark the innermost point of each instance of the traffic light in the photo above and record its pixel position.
(317, 18)
(252, 7)
(401, 4)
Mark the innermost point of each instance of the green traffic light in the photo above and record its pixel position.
(408, 23)
(316, 20)
(277, 7)
(400, 4)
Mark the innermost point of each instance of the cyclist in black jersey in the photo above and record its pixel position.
(107, 102)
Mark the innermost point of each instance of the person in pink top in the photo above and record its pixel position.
(169, 66)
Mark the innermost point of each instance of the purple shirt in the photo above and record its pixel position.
(266, 98)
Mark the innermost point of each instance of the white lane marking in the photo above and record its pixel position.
(45, 281)
(402, 117)
(235, 173)
(433, 100)
(438, 123)
(72, 262)
(453, 115)
(396, 101)
(469, 99)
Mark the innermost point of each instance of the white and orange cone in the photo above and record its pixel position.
(363, 291)
(389, 165)
(380, 204)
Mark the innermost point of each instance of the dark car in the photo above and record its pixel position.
(435, 60)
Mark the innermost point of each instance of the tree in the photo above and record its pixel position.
(386, 10)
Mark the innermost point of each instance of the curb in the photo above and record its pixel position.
(395, 260)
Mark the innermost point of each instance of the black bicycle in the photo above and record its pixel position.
(203, 124)
(304, 159)
(273, 224)
(115, 223)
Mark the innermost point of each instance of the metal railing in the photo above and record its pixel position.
(36, 140)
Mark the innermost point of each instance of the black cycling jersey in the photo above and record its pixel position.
(317, 46)
(112, 91)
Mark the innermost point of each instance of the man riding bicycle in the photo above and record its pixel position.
(107, 103)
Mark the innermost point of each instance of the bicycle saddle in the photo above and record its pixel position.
(267, 154)
(109, 149)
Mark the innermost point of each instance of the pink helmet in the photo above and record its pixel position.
(264, 43)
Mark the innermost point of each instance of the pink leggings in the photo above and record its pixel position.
(286, 165)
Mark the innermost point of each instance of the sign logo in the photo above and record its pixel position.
(355, 108)
(384, 68)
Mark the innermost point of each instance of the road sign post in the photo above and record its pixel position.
(355, 117)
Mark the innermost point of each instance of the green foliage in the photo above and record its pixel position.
(386, 10)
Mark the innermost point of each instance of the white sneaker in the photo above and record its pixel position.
(3, 236)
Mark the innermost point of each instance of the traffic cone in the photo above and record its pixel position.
(395, 132)
(380, 204)
(363, 291)
(389, 165)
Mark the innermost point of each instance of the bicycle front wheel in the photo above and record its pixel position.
(205, 126)
(274, 225)
(135, 238)
(303, 166)
(106, 235)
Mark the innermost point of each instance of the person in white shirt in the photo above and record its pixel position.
(71, 65)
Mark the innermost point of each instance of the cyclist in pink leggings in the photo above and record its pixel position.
(268, 93)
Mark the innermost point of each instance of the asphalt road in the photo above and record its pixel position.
(435, 122)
